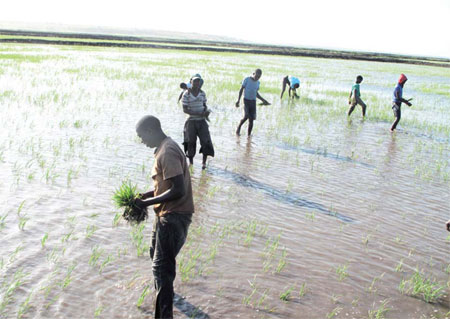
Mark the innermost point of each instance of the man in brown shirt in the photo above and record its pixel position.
(173, 204)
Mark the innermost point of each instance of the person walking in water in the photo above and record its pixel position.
(355, 97)
(194, 104)
(173, 203)
(293, 83)
(250, 87)
(398, 100)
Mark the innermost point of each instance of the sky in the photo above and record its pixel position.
(414, 27)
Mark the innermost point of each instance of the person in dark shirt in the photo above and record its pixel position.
(398, 100)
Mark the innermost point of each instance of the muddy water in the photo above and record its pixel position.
(299, 203)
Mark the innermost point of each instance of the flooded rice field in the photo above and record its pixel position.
(315, 216)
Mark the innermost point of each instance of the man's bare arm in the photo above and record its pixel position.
(240, 95)
(174, 192)
(262, 99)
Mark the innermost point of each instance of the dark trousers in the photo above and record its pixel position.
(168, 236)
(396, 108)
(192, 129)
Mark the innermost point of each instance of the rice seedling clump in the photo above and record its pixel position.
(124, 197)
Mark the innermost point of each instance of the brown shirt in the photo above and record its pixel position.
(170, 161)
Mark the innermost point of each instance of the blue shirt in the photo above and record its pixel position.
(251, 87)
(294, 81)
(398, 94)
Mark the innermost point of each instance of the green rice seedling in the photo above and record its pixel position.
(188, 262)
(355, 302)
(335, 298)
(65, 238)
(247, 299)
(250, 234)
(380, 312)
(333, 313)
(105, 262)
(420, 286)
(372, 288)
(98, 311)
(44, 240)
(19, 209)
(286, 294)
(262, 298)
(10, 288)
(124, 197)
(2, 221)
(68, 278)
(341, 271)
(365, 240)
(137, 236)
(90, 230)
(116, 219)
(24, 306)
(303, 290)
(96, 253)
(282, 261)
(52, 256)
(399, 266)
(13, 255)
(141, 298)
(22, 222)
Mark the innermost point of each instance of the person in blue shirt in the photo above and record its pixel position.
(398, 99)
(250, 87)
(355, 97)
(293, 83)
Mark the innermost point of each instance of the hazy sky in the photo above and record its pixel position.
(416, 27)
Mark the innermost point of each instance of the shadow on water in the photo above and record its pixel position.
(323, 153)
(285, 197)
(188, 309)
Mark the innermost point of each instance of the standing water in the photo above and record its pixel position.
(315, 216)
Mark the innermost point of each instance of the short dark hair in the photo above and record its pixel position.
(359, 78)
(258, 71)
(183, 86)
(149, 121)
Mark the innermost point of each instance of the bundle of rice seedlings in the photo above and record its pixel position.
(124, 197)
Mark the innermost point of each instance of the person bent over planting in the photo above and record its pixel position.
(194, 104)
(398, 100)
(355, 97)
(173, 205)
(293, 83)
(250, 87)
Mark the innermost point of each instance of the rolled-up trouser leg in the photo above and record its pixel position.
(363, 105)
(206, 145)
(170, 235)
